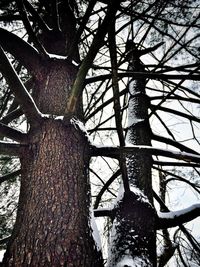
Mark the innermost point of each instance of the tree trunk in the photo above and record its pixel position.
(52, 226)
(53, 220)
(133, 237)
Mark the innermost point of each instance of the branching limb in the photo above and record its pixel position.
(12, 133)
(29, 28)
(9, 176)
(145, 75)
(173, 143)
(182, 227)
(12, 116)
(97, 43)
(164, 125)
(11, 149)
(131, 48)
(172, 218)
(173, 163)
(55, 14)
(22, 51)
(117, 106)
(81, 28)
(104, 104)
(17, 87)
(103, 213)
(176, 112)
(105, 187)
(36, 17)
(116, 151)
(177, 178)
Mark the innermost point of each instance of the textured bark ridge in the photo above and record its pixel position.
(132, 240)
(52, 87)
(52, 224)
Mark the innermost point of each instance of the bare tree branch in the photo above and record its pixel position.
(11, 149)
(36, 16)
(29, 28)
(9, 176)
(176, 112)
(150, 75)
(173, 143)
(22, 51)
(12, 116)
(98, 41)
(17, 87)
(172, 163)
(80, 30)
(172, 218)
(105, 187)
(117, 106)
(12, 133)
(103, 213)
(116, 151)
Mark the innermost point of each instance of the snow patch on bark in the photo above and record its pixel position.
(95, 231)
(79, 125)
(133, 188)
(60, 57)
(140, 195)
(128, 261)
(1, 255)
(57, 118)
(132, 121)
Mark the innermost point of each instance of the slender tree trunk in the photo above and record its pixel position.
(133, 235)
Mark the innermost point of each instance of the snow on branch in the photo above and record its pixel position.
(17, 87)
(114, 152)
(22, 51)
(11, 149)
(175, 218)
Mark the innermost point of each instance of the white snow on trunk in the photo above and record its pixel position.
(134, 262)
(95, 231)
(60, 57)
(1, 255)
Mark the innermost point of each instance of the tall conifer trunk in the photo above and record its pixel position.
(52, 226)
(134, 235)
(53, 220)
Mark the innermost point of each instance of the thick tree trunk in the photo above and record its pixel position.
(52, 226)
(53, 221)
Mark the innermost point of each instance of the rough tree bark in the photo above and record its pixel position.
(52, 226)
(134, 230)
(53, 220)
